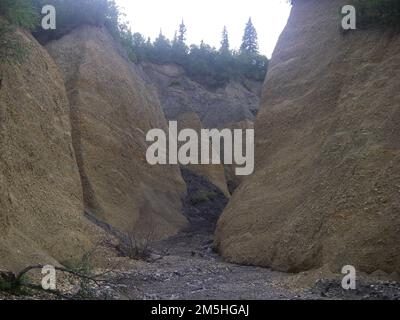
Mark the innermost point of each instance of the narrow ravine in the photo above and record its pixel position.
(186, 267)
(189, 267)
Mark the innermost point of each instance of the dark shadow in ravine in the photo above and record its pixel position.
(203, 204)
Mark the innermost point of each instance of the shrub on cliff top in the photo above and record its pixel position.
(74, 13)
(19, 12)
(15, 13)
(70, 15)
(378, 12)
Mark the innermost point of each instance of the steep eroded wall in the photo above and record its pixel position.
(326, 186)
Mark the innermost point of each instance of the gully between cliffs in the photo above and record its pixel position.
(186, 266)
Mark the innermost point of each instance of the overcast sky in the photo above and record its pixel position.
(205, 19)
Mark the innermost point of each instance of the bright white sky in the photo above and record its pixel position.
(205, 19)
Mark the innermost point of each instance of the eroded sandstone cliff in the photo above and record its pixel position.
(195, 106)
(111, 111)
(41, 206)
(73, 152)
(327, 180)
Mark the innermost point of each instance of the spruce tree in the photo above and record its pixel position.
(161, 41)
(175, 39)
(225, 41)
(179, 48)
(162, 49)
(250, 39)
(182, 33)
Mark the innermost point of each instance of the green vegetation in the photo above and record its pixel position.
(203, 197)
(19, 12)
(375, 12)
(203, 63)
(15, 13)
(378, 12)
(175, 84)
(74, 13)
(11, 49)
(12, 287)
(70, 14)
(250, 39)
(225, 47)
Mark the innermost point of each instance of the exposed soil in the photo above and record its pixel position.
(191, 270)
(185, 267)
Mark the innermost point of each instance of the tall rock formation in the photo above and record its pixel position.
(111, 112)
(41, 206)
(195, 106)
(72, 152)
(326, 190)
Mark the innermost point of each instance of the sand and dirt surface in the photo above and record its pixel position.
(186, 267)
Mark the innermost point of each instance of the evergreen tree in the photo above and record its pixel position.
(161, 51)
(162, 42)
(182, 33)
(139, 46)
(179, 48)
(175, 39)
(204, 63)
(225, 41)
(250, 39)
(138, 40)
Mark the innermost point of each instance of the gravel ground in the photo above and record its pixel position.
(185, 267)
(193, 271)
